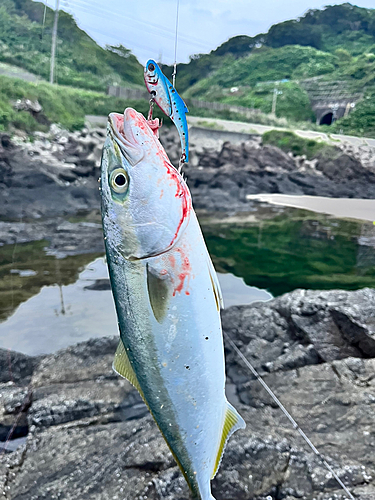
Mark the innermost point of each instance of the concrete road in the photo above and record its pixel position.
(255, 128)
(351, 208)
(17, 72)
(251, 128)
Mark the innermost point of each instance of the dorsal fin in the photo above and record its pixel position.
(232, 422)
(123, 367)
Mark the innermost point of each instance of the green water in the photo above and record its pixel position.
(48, 303)
(296, 249)
(17, 284)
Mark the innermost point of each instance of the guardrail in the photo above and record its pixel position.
(126, 93)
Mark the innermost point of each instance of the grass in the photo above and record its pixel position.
(212, 125)
(64, 105)
(26, 42)
(290, 142)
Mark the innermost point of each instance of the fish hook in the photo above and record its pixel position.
(181, 163)
(152, 103)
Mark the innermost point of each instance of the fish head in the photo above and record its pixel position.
(146, 203)
(157, 85)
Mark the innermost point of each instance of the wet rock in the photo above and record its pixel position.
(90, 435)
(41, 178)
(16, 367)
(99, 285)
(14, 405)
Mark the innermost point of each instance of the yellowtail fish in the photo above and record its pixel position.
(167, 298)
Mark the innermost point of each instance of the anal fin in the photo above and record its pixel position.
(232, 422)
(122, 366)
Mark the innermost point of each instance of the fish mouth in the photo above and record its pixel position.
(130, 129)
(130, 132)
(117, 127)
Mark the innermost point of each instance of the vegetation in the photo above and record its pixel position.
(64, 105)
(290, 142)
(335, 27)
(336, 43)
(362, 120)
(292, 101)
(81, 62)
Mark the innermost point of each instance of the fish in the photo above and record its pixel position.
(169, 101)
(167, 298)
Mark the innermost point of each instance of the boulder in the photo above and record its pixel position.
(90, 435)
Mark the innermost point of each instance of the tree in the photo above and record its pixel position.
(294, 33)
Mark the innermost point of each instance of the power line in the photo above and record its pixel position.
(95, 9)
(146, 23)
(95, 30)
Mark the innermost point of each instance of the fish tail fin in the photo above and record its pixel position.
(232, 422)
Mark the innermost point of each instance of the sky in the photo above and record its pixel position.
(147, 27)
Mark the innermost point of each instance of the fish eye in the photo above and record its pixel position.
(119, 181)
(151, 67)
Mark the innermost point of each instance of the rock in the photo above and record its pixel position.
(58, 165)
(90, 435)
(100, 285)
(345, 168)
(16, 367)
(28, 105)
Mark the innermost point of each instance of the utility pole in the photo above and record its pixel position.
(54, 39)
(276, 92)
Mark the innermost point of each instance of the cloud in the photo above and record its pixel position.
(147, 27)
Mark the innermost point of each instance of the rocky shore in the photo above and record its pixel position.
(55, 174)
(89, 435)
(80, 432)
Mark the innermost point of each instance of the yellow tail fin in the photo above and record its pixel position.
(232, 422)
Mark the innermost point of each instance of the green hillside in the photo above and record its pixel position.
(81, 61)
(333, 44)
(344, 27)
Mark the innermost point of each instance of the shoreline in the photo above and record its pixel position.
(341, 208)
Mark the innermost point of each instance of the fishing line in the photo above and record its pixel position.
(288, 415)
(175, 48)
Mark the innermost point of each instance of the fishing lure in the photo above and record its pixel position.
(167, 98)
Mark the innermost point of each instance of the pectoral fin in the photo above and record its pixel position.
(159, 292)
(232, 422)
(123, 367)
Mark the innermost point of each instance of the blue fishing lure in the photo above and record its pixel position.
(169, 101)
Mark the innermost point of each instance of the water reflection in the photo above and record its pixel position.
(25, 269)
(59, 316)
(49, 303)
(301, 250)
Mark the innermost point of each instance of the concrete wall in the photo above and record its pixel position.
(222, 135)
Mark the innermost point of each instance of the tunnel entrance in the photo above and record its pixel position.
(326, 119)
